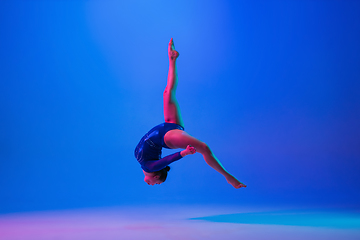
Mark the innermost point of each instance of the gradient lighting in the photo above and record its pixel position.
(271, 86)
(299, 218)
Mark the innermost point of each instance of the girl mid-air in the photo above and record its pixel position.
(171, 134)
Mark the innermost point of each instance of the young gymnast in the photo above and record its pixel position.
(171, 134)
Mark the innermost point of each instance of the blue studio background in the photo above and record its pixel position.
(272, 86)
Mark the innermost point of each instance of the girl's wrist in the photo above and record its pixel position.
(183, 153)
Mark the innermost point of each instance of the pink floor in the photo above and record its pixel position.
(156, 222)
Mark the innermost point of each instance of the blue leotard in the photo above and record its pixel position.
(148, 151)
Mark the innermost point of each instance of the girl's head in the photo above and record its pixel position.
(157, 177)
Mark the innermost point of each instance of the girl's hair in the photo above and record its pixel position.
(162, 173)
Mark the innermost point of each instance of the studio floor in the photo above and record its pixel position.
(180, 223)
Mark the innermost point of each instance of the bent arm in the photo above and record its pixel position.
(157, 165)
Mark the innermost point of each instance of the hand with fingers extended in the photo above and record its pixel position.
(189, 150)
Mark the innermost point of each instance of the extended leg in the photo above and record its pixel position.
(180, 139)
(172, 112)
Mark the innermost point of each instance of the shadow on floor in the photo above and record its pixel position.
(323, 219)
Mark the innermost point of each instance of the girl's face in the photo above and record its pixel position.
(152, 180)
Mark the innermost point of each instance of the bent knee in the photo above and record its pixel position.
(204, 148)
(168, 93)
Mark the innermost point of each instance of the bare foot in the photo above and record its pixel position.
(234, 182)
(173, 54)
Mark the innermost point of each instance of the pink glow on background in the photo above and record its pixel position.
(153, 222)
